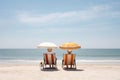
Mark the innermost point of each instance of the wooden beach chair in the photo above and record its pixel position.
(69, 60)
(49, 60)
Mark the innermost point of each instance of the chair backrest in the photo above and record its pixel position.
(49, 58)
(68, 59)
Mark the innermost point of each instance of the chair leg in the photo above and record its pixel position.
(67, 66)
(43, 66)
(75, 65)
(56, 65)
(62, 64)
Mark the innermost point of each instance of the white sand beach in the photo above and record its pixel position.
(83, 72)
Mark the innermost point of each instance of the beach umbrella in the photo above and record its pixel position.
(47, 45)
(70, 46)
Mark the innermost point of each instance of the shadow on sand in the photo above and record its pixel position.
(56, 69)
(72, 69)
(50, 69)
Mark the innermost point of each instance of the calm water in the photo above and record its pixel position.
(82, 55)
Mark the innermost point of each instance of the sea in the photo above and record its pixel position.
(34, 56)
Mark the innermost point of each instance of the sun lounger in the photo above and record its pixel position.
(49, 59)
(69, 60)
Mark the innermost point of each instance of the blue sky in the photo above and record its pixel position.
(90, 23)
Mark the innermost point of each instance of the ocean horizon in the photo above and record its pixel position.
(82, 55)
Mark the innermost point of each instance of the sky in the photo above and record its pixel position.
(90, 23)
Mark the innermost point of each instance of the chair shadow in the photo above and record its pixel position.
(50, 69)
(72, 69)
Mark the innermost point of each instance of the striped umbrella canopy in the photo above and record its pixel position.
(70, 46)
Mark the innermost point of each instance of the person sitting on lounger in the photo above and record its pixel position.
(69, 59)
(49, 58)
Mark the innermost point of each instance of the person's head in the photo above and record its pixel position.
(69, 51)
(49, 49)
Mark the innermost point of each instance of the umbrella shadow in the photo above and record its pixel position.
(50, 69)
(72, 69)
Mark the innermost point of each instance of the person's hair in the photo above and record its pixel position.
(69, 51)
(49, 49)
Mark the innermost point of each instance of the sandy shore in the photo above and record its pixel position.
(83, 72)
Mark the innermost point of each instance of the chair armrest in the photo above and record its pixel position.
(62, 61)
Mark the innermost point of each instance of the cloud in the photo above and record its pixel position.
(70, 16)
(52, 17)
